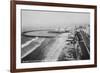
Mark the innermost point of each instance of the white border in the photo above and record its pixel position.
(20, 65)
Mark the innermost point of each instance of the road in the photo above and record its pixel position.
(82, 42)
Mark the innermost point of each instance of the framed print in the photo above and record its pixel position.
(52, 36)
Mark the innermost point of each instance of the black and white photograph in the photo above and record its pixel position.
(54, 36)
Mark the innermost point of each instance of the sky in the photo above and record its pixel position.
(32, 19)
